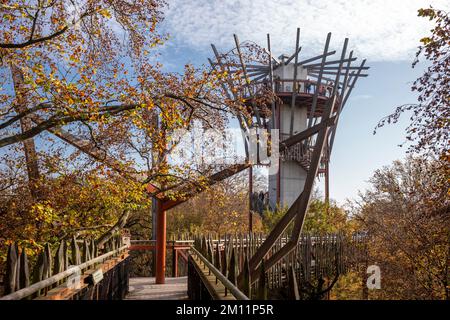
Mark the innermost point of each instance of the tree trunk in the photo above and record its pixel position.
(26, 124)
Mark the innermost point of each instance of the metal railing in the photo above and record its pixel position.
(302, 86)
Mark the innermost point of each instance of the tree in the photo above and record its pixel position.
(430, 119)
(221, 209)
(406, 215)
(321, 218)
(66, 61)
(85, 73)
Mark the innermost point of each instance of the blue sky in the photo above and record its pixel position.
(385, 32)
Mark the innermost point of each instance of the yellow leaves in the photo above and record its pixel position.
(426, 40)
(9, 17)
(84, 78)
(105, 13)
(37, 68)
(150, 105)
(426, 13)
(74, 58)
(44, 212)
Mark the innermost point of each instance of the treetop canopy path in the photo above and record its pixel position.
(289, 105)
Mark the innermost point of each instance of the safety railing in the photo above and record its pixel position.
(177, 256)
(74, 276)
(302, 86)
(229, 286)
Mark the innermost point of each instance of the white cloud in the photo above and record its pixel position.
(361, 97)
(378, 29)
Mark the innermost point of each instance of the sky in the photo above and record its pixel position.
(385, 32)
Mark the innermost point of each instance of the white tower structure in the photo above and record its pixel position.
(306, 99)
(310, 94)
(292, 175)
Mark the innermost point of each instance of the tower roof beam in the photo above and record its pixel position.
(247, 81)
(272, 87)
(294, 93)
(321, 56)
(319, 78)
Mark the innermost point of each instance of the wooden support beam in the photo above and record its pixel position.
(319, 80)
(322, 56)
(305, 134)
(247, 81)
(174, 263)
(272, 87)
(344, 97)
(294, 91)
(312, 172)
(328, 62)
(299, 207)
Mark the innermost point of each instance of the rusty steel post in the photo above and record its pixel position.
(154, 224)
(160, 243)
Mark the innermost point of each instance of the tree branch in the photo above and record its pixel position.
(116, 228)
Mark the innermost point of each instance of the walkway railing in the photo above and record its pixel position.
(102, 277)
(177, 260)
(219, 266)
(196, 272)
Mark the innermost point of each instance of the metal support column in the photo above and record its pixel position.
(160, 243)
(154, 223)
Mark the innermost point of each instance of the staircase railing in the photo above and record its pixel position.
(229, 286)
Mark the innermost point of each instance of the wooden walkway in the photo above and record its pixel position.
(146, 289)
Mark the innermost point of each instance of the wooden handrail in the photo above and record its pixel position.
(25, 292)
(227, 283)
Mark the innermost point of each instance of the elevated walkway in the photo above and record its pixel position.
(146, 289)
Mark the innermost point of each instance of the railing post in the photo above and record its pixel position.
(174, 262)
(12, 262)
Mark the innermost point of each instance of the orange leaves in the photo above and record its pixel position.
(54, 20)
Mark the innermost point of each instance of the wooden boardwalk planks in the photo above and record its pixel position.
(146, 289)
